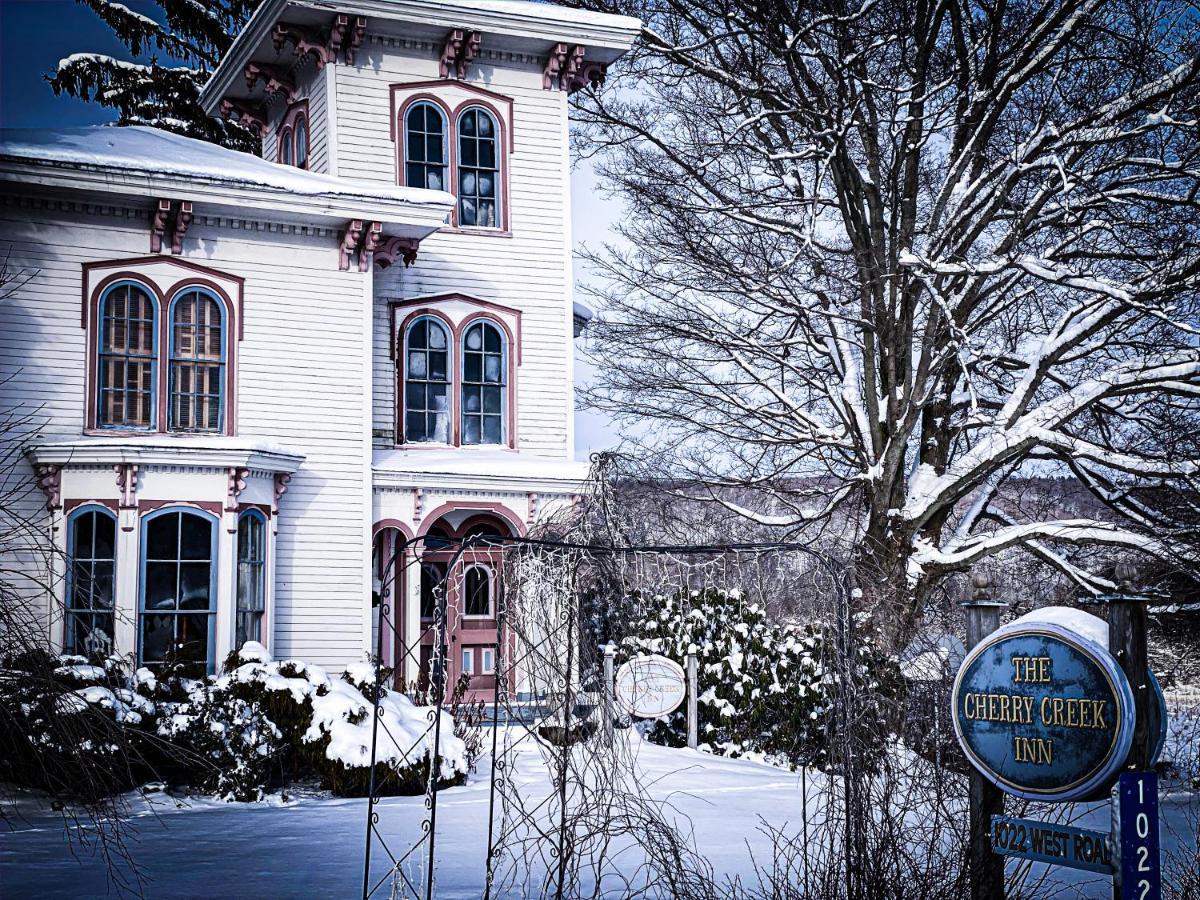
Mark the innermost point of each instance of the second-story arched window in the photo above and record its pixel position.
(301, 139)
(427, 382)
(483, 383)
(478, 169)
(128, 365)
(286, 147)
(425, 147)
(197, 373)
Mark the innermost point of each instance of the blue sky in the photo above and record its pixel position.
(36, 34)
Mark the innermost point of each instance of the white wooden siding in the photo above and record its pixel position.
(529, 271)
(302, 382)
(311, 86)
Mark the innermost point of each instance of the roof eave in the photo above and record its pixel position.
(406, 219)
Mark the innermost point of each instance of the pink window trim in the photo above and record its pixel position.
(488, 100)
(91, 325)
(456, 333)
(295, 112)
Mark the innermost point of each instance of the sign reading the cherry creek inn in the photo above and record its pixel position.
(1044, 711)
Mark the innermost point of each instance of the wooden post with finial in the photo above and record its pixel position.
(986, 868)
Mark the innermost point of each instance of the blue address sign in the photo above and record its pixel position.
(1048, 842)
(1043, 712)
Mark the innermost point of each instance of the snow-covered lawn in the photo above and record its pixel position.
(313, 847)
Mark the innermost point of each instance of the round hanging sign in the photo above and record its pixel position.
(1042, 709)
(650, 686)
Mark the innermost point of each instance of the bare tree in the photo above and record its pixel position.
(883, 255)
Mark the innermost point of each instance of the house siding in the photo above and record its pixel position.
(527, 270)
(299, 386)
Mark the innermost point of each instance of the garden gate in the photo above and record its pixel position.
(549, 606)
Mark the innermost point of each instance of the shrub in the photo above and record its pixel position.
(90, 731)
(765, 687)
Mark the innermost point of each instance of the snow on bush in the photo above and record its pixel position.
(234, 735)
(764, 687)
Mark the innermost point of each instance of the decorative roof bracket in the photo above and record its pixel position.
(396, 248)
(158, 225)
(249, 115)
(460, 49)
(183, 219)
(277, 79)
(552, 74)
(350, 238)
(304, 40)
(357, 34)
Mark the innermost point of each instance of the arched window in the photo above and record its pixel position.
(197, 362)
(301, 137)
(179, 556)
(425, 147)
(91, 561)
(427, 382)
(251, 575)
(286, 147)
(433, 574)
(128, 357)
(484, 369)
(478, 169)
(477, 592)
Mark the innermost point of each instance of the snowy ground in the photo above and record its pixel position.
(313, 847)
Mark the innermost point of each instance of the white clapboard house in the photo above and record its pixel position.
(249, 382)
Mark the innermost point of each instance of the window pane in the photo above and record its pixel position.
(437, 366)
(105, 530)
(162, 537)
(194, 583)
(471, 430)
(491, 369)
(192, 637)
(437, 336)
(102, 585)
(478, 590)
(158, 634)
(491, 400)
(417, 364)
(471, 399)
(161, 585)
(414, 427)
(473, 367)
(467, 123)
(475, 337)
(491, 430)
(196, 541)
(84, 535)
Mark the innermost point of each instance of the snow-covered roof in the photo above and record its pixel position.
(507, 25)
(196, 450)
(149, 162)
(467, 466)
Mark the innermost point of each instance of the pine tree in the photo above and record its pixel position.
(194, 34)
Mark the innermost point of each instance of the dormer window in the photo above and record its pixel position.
(292, 139)
(425, 147)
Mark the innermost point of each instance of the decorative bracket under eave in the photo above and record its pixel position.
(567, 70)
(281, 488)
(175, 226)
(249, 115)
(369, 243)
(458, 52)
(345, 34)
(237, 476)
(49, 480)
(396, 248)
(275, 78)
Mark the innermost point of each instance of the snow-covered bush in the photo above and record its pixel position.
(69, 727)
(767, 687)
(88, 731)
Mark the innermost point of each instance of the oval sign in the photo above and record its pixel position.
(650, 686)
(1043, 712)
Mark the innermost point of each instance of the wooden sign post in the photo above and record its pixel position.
(986, 867)
(1059, 706)
(1137, 870)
